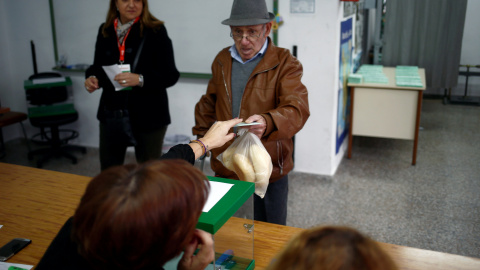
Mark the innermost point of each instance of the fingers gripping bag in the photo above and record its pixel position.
(249, 159)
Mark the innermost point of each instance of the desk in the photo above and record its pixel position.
(386, 110)
(35, 203)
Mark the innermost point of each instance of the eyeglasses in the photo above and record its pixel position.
(251, 35)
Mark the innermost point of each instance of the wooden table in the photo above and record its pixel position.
(386, 110)
(35, 203)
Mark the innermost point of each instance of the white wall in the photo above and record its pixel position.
(317, 38)
(316, 35)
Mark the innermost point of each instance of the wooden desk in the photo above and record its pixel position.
(35, 203)
(386, 110)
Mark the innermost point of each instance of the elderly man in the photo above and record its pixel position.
(259, 82)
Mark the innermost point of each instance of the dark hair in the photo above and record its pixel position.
(139, 216)
(332, 248)
(146, 18)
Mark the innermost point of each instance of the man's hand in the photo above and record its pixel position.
(258, 130)
(205, 255)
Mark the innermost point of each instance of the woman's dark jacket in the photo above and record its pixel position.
(148, 105)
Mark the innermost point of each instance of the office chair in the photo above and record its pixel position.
(7, 118)
(48, 110)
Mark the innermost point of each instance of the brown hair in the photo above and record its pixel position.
(146, 18)
(138, 216)
(332, 248)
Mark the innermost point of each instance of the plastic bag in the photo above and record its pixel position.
(249, 159)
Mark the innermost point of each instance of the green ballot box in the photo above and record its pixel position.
(228, 216)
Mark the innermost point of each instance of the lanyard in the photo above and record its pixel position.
(121, 47)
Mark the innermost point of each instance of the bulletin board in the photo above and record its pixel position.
(193, 26)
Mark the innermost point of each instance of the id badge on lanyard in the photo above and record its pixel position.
(121, 47)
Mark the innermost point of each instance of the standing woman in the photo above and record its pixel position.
(134, 111)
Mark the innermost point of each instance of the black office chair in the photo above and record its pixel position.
(48, 110)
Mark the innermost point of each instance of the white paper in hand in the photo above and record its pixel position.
(112, 71)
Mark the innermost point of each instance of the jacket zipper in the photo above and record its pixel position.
(225, 83)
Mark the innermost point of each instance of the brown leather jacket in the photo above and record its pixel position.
(274, 91)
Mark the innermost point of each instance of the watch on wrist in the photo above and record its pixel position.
(140, 80)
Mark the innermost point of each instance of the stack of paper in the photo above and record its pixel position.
(373, 74)
(408, 76)
(355, 78)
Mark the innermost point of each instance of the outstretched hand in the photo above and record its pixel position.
(204, 256)
(218, 134)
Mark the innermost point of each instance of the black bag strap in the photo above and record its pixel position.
(135, 61)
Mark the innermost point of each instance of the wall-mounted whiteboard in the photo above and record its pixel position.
(194, 26)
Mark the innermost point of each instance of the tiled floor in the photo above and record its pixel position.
(433, 205)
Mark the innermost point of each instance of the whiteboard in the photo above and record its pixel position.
(76, 26)
(194, 26)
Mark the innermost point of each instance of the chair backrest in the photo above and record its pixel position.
(46, 95)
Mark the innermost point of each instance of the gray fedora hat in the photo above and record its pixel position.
(249, 12)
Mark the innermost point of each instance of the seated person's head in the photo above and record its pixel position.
(139, 216)
(332, 248)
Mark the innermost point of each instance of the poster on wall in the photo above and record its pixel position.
(345, 67)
